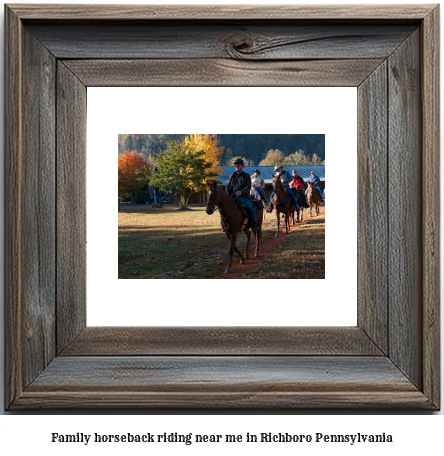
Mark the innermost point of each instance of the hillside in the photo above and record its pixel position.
(252, 147)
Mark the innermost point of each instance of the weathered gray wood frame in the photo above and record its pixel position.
(390, 360)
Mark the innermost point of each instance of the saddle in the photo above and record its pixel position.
(240, 203)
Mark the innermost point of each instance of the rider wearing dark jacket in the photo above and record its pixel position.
(239, 183)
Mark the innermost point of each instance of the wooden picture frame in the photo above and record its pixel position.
(390, 360)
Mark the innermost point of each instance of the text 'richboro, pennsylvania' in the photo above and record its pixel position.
(190, 438)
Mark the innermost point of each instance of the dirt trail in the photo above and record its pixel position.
(268, 245)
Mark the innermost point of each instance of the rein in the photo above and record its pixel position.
(222, 208)
(276, 196)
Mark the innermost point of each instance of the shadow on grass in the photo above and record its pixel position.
(164, 253)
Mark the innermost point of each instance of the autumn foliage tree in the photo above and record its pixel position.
(129, 179)
(297, 158)
(208, 144)
(274, 157)
(182, 170)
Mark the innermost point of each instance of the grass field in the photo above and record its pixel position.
(166, 243)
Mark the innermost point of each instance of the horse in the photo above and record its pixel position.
(301, 203)
(313, 197)
(282, 204)
(232, 221)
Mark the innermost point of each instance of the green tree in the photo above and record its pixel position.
(129, 145)
(229, 156)
(182, 170)
(138, 143)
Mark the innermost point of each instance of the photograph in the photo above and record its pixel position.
(214, 206)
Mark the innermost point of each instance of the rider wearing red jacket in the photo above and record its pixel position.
(297, 186)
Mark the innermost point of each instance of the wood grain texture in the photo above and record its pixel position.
(220, 12)
(430, 205)
(13, 207)
(372, 207)
(127, 341)
(38, 221)
(71, 206)
(200, 374)
(234, 382)
(405, 209)
(208, 72)
(258, 40)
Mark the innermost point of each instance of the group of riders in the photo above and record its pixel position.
(241, 184)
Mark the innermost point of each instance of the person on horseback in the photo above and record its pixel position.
(297, 185)
(239, 183)
(285, 179)
(315, 179)
(257, 181)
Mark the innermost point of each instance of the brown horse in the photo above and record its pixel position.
(301, 203)
(282, 204)
(232, 221)
(313, 198)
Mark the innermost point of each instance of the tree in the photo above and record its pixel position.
(247, 162)
(208, 144)
(129, 180)
(129, 145)
(297, 158)
(182, 170)
(138, 143)
(228, 156)
(273, 158)
(315, 160)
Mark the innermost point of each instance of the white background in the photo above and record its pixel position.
(414, 433)
(278, 110)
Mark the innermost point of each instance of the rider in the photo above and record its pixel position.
(258, 183)
(297, 185)
(285, 179)
(317, 181)
(240, 182)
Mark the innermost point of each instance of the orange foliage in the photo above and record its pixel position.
(129, 164)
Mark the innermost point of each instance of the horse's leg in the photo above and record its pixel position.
(247, 244)
(230, 252)
(239, 253)
(277, 220)
(258, 237)
(287, 221)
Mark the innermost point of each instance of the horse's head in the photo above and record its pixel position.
(277, 184)
(212, 197)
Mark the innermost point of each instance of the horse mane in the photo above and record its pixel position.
(281, 186)
(222, 194)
